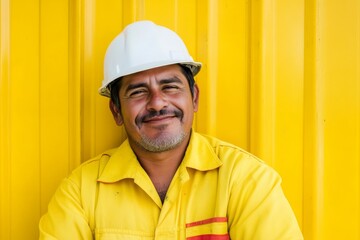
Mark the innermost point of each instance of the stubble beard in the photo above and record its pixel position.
(162, 143)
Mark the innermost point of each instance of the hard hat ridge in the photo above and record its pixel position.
(141, 46)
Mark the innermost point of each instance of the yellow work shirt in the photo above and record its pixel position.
(218, 192)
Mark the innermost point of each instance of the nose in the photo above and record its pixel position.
(157, 101)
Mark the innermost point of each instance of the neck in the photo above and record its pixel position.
(160, 166)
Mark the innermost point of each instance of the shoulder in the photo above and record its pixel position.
(90, 169)
(238, 163)
(228, 152)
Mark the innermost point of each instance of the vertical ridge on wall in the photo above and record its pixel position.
(25, 117)
(212, 70)
(129, 15)
(208, 54)
(232, 80)
(358, 107)
(55, 90)
(267, 84)
(338, 73)
(5, 121)
(74, 66)
(201, 53)
(288, 99)
(255, 35)
(88, 81)
(112, 135)
(97, 35)
(276, 91)
(262, 80)
(313, 136)
(132, 11)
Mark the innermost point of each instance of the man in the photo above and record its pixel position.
(165, 181)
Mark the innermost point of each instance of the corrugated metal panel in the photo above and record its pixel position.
(20, 132)
(276, 91)
(280, 78)
(333, 104)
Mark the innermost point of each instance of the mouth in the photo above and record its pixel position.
(158, 118)
(161, 117)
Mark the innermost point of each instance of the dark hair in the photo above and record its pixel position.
(189, 77)
(115, 86)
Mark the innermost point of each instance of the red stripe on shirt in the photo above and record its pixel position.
(210, 237)
(206, 221)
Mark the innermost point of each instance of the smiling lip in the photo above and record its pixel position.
(161, 117)
(158, 118)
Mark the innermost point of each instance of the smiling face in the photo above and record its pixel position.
(157, 108)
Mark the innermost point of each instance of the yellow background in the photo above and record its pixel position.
(281, 78)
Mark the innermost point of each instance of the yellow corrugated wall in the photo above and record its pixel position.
(280, 78)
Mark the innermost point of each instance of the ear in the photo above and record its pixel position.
(196, 97)
(116, 113)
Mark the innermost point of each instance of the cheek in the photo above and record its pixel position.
(130, 111)
(187, 107)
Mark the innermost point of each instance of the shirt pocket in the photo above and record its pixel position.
(208, 229)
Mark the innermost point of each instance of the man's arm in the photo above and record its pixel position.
(259, 210)
(66, 218)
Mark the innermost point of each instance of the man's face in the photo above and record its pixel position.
(157, 108)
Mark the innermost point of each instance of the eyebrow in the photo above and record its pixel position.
(134, 86)
(163, 81)
(171, 80)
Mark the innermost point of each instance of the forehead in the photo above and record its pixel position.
(159, 73)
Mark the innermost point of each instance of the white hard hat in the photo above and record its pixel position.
(141, 46)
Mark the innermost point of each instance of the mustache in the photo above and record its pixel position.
(163, 112)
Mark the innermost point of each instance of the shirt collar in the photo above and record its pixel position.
(122, 164)
(200, 155)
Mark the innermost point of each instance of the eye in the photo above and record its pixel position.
(171, 88)
(137, 92)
